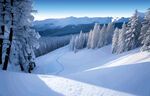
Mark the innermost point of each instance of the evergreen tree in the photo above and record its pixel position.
(22, 39)
(102, 36)
(109, 33)
(78, 42)
(121, 39)
(133, 32)
(95, 36)
(145, 32)
(115, 40)
(72, 43)
(89, 39)
(81, 40)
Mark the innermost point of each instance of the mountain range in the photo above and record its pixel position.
(64, 26)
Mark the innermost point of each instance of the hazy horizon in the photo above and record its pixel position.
(87, 8)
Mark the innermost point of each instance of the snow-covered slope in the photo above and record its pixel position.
(85, 73)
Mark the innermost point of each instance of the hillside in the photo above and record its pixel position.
(85, 73)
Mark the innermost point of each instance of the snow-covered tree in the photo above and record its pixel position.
(48, 44)
(72, 43)
(115, 40)
(133, 32)
(95, 36)
(145, 32)
(102, 36)
(109, 33)
(121, 39)
(81, 40)
(22, 38)
(6, 23)
(89, 39)
(78, 42)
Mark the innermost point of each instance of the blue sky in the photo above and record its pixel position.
(91, 8)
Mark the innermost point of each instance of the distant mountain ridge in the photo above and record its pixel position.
(73, 25)
(55, 23)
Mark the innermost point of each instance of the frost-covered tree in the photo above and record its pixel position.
(133, 32)
(22, 38)
(102, 36)
(81, 40)
(89, 43)
(121, 39)
(72, 43)
(95, 36)
(145, 32)
(6, 24)
(115, 40)
(48, 44)
(109, 33)
(78, 42)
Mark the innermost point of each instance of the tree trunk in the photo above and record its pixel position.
(10, 40)
(3, 31)
(1, 43)
(8, 50)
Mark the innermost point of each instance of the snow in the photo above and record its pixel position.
(85, 73)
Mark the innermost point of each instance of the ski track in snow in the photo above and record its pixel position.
(57, 60)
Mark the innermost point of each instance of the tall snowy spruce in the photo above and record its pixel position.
(89, 42)
(109, 33)
(95, 36)
(133, 32)
(72, 43)
(102, 36)
(115, 40)
(121, 39)
(145, 32)
(22, 39)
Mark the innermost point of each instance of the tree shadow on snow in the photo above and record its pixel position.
(20, 84)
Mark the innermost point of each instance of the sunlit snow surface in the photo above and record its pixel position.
(85, 73)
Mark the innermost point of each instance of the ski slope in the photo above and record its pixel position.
(85, 73)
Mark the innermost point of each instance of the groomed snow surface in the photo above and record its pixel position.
(85, 73)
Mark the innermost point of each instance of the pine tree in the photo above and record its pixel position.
(133, 32)
(145, 32)
(89, 39)
(81, 40)
(102, 36)
(109, 33)
(72, 43)
(95, 36)
(121, 39)
(22, 39)
(115, 40)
